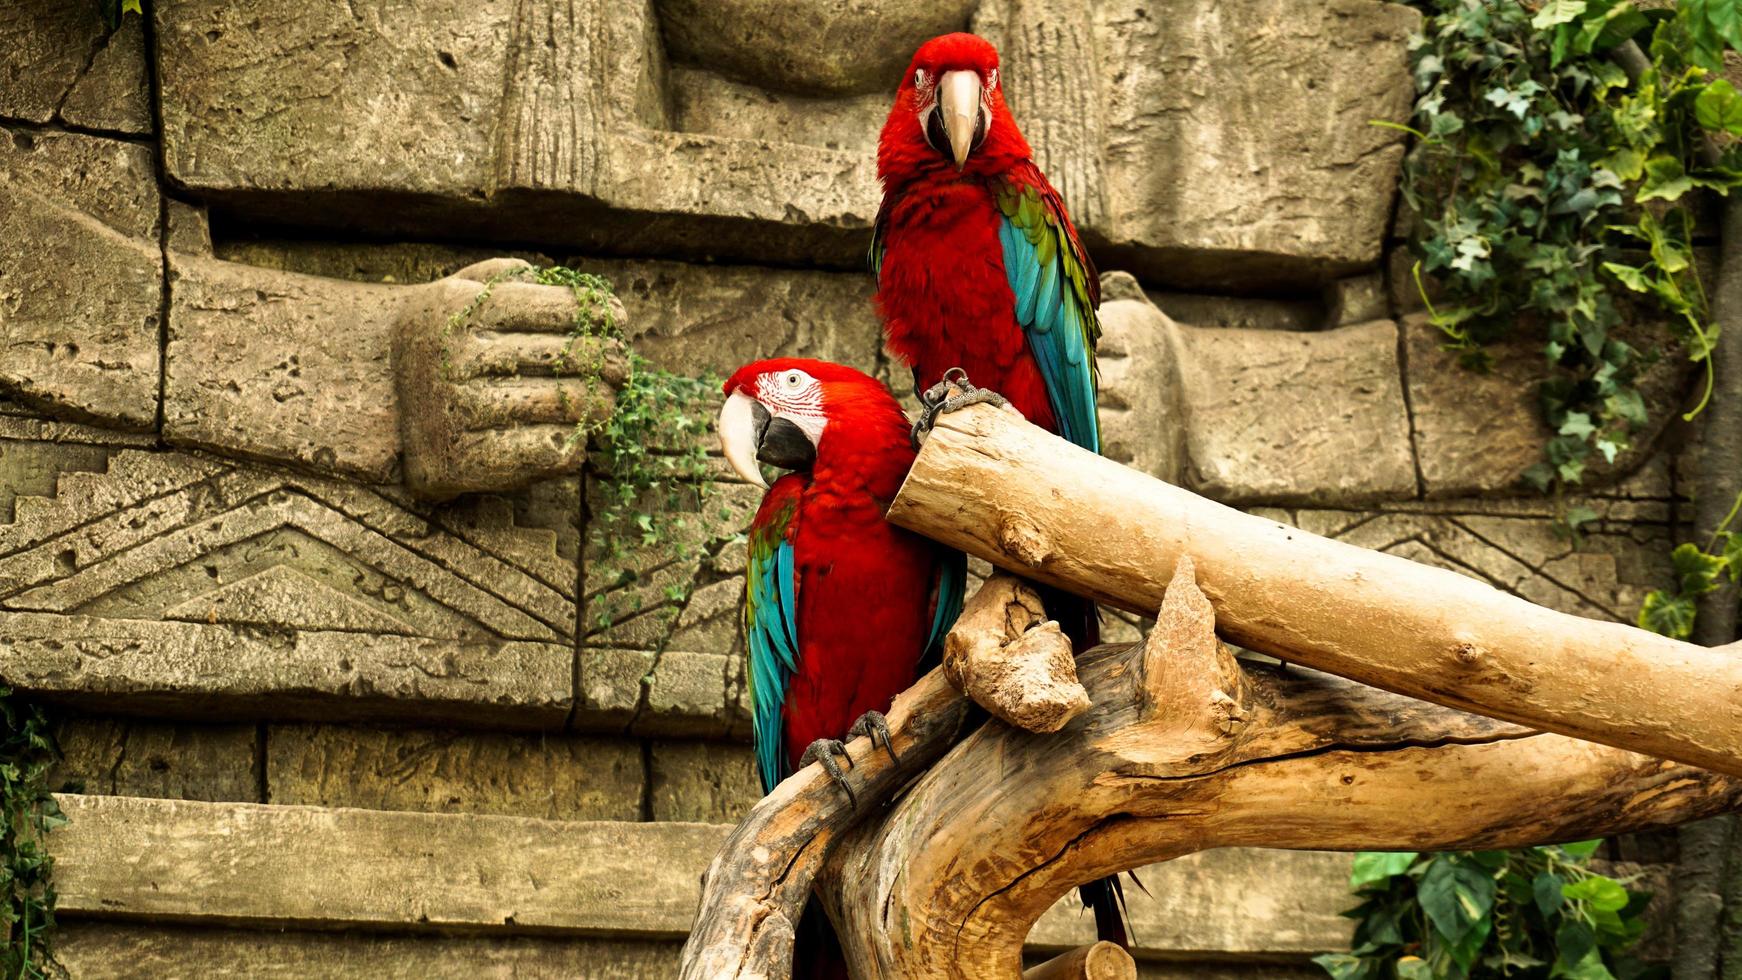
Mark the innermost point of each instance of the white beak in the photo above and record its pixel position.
(738, 437)
(959, 101)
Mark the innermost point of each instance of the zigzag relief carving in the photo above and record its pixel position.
(180, 537)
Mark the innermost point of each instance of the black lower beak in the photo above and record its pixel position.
(783, 444)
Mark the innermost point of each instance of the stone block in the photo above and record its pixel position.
(1253, 416)
(710, 782)
(95, 950)
(680, 139)
(557, 777)
(286, 866)
(126, 757)
(81, 275)
(114, 93)
(1515, 548)
(62, 62)
(1226, 903)
(204, 671)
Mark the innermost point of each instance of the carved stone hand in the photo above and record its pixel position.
(498, 375)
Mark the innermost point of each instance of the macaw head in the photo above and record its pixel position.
(949, 111)
(799, 414)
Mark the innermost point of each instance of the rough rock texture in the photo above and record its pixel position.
(81, 275)
(858, 46)
(425, 89)
(1239, 145)
(703, 781)
(1513, 546)
(218, 763)
(120, 951)
(682, 137)
(1222, 411)
(1288, 902)
(153, 581)
(62, 62)
(1477, 432)
(246, 863)
(556, 777)
(114, 93)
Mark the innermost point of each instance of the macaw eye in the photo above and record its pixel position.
(793, 380)
(919, 78)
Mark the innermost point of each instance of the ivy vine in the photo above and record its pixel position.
(27, 752)
(1554, 196)
(650, 449)
(1535, 913)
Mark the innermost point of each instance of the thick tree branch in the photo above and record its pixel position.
(757, 886)
(1183, 752)
(1009, 492)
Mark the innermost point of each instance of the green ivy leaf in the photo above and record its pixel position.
(1719, 107)
(1667, 615)
(1455, 895)
(1665, 179)
(1414, 968)
(1697, 571)
(1545, 890)
(1374, 867)
(1733, 554)
(1602, 894)
(1557, 12)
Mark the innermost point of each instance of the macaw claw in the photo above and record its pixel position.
(937, 400)
(823, 751)
(874, 726)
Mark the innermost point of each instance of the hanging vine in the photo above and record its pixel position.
(1555, 196)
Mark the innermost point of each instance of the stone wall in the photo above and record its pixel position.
(316, 724)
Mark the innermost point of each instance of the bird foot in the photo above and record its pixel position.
(823, 751)
(874, 726)
(937, 400)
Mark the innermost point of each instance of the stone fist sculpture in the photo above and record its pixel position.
(475, 382)
(503, 383)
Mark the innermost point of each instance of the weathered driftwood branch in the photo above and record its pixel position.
(757, 885)
(1011, 493)
(1186, 750)
(1100, 961)
(1003, 652)
(1011, 660)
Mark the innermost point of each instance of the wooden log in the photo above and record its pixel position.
(1011, 660)
(1007, 491)
(757, 885)
(1098, 961)
(1188, 749)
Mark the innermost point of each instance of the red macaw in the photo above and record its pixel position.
(979, 267)
(842, 608)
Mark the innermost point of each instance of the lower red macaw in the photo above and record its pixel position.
(842, 608)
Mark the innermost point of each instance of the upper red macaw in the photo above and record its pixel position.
(979, 267)
(977, 263)
(841, 606)
(842, 609)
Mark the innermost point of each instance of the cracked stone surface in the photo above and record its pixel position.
(168, 583)
(557, 777)
(81, 275)
(127, 757)
(63, 62)
(679, 138)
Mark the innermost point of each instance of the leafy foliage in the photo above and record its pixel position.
(1540, 912)
(1553, 192)
(1671, 611)
(651, 449)
(26, 753)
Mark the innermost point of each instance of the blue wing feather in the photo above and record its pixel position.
(771, 635)
(1052, 283)
(952, 583)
